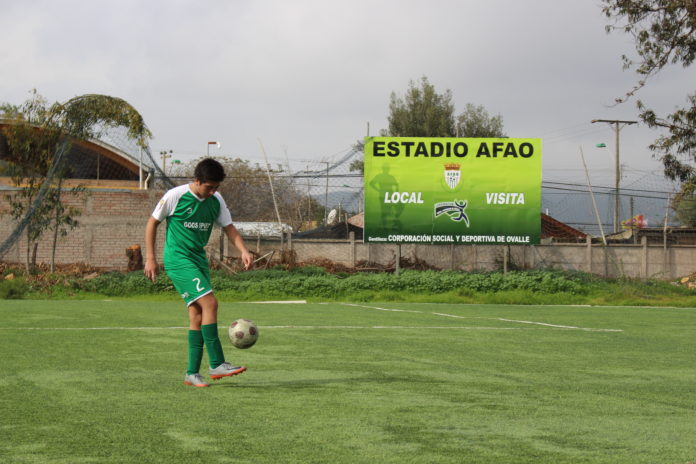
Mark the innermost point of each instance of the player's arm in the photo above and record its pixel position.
(238, 242)
(151, 267)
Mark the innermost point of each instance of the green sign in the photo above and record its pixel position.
(452, 190)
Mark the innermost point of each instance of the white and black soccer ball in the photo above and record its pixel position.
(243, 333)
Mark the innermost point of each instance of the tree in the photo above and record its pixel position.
(38, 137)
(248, 195)
(421, 112)
(684, 205)
(476, 122)
(358, 164)
(664, 33)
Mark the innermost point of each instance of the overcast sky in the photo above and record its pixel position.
(306, 77)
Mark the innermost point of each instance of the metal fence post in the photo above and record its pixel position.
(506, 257)
(644, 257)
(397, 269)
(351, 238)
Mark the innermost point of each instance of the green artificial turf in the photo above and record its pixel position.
(101, 381)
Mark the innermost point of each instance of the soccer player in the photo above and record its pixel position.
(190, 211)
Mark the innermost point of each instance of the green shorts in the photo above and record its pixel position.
(191, 282)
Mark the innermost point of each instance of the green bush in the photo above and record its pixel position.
(14, 289)
(316, 282)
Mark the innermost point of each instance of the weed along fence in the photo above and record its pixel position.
(617, 260)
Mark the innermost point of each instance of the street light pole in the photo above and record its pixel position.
(212, 143)
(326, 194)
(164, 154)
(617, 169)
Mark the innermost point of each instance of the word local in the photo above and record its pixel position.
(449, 149)
(403, 197)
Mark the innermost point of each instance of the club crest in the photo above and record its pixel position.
(453, 174)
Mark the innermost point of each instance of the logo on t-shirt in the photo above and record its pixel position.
(201, 226)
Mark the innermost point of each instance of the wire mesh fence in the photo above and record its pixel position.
(310, 211)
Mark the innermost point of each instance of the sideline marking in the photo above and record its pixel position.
(383, 309)
(279, 327)
(93, 328)
(556, 326)
(389, 327)
(277, 302)
(560, 326)
(545, 324)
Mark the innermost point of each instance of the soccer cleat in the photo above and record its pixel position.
(225, 370)
(195, 380)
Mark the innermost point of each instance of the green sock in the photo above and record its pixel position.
(212, 343)
(195, 351)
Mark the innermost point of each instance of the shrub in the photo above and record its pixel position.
(14, 289)
(314, 281)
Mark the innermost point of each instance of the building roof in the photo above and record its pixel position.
(552, 228)
(112, 158)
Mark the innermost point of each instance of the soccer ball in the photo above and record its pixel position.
(243, 333)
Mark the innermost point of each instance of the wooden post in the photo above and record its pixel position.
(588, 254)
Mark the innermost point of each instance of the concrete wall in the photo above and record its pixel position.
(113, 220)
(639, 261)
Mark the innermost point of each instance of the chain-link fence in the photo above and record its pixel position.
(310, 211)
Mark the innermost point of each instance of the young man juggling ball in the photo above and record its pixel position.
(190, 211)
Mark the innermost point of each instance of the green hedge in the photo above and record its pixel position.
(316, 282)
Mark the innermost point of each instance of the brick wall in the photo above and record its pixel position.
(110, 222)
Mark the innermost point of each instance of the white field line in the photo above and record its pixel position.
(93, 328)
(264, 327)
(545, 324)
(363, 327)
(382, 309)
(691, 308)
(560, 326)
(278, 302)
(555, 326)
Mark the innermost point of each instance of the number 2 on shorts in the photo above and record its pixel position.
(198, 284)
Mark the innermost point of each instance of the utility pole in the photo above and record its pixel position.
(617, 125)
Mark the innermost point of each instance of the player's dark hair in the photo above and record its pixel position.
(209, 170)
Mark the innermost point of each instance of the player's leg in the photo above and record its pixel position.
(187, 283)
(209, 328)
(195, 347)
